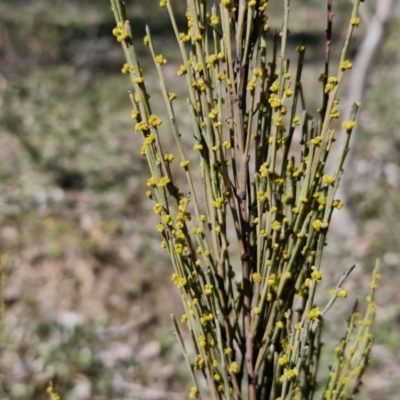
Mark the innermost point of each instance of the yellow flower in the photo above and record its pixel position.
(226, 144)
(291, 373)
(349, 125)
(234, 368)
(185, 38)
(202, 341)
(158, 208)
(211, 60)
(275, 102)
(276, 226)
(228, 350)
(214, 20)
(263, 5)
(261, 195)
(52, 393)
(317, 224)
(154, 120)
(214, 112)
(338, 204)
(208, 289)
(277, 120)
(271, 279)
(164, 181)
(333, 80)
(317, 275)
(288, 92)
(151, 182)
(274, 87)
(199, 360)
(142, 126)
(171, 96)
(160, 228)
(328, 87)
(314, 313)
(328, 179)
(335, 113)
(160, 59)
(169, 157)
(283, 360)
(316, 141)
(346, 64)
(166, 219)
(119, 33)
(182, 70)
(257, 277)
(193, 392)
(184, 164)
(251, 85)
(125, 68)
(218, 202)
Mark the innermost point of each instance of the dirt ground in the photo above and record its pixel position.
(86, 287)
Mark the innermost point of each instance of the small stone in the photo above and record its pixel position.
(114, 353)
(82, 389)
(150, 351)
(70, 320)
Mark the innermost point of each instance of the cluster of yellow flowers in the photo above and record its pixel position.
(120, 33)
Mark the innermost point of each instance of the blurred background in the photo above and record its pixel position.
(86, 287)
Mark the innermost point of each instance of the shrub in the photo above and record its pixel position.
(246, 239)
